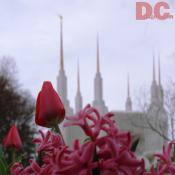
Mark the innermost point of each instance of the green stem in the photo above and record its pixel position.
(96, 159)
(13, 155)
(57, 130)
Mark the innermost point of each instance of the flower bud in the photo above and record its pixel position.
(49, 108)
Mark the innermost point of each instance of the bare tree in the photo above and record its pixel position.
(16, 104)
(157, 118)
(170, 107)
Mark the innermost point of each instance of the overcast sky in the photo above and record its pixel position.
(29, 32)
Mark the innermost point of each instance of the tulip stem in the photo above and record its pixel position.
(57, 130)
(13, 155)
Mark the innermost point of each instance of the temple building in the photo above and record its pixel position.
(138, 123)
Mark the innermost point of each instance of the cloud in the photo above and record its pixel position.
(29, 31)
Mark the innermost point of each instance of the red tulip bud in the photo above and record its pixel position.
(12, 139)
(49, 108)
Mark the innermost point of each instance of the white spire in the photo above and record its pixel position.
(61, 44)
(62, 79)
(98, 85)
(128, 104)
(78, 77)
(128, 86)
(154, 86)
(98, 55)
(159, 71)
(154, 73)
(161, 92)
(78, 97)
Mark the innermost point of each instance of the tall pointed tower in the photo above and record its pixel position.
(154, 86)
(98, 87)
(128, 104)
(61, 78)
(156, 115)
(78, 97)
(160, 88)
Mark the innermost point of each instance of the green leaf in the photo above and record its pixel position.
(3, 167)
(134, 145)
(1, 152)
(87, 139)
(173, 154)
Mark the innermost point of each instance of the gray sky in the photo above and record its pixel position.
(29, 32)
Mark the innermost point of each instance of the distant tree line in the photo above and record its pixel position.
(16, 105)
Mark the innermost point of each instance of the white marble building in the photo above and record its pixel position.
(127, 120)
